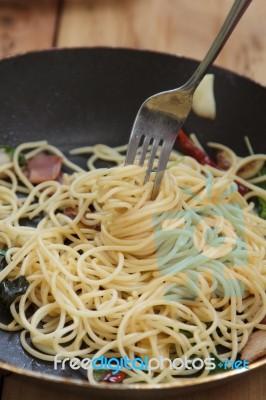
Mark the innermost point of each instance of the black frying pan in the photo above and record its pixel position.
(86, 96)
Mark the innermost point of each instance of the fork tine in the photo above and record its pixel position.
(154, 149)
(133, 147)
(145, 146)
(162, 163)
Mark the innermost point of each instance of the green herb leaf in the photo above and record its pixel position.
(10, 152)
(10, 290)
(188, 334)
(217, 361)
(99, 374)
(262, 202)
(261, 173)
(3, 262)
(262, 208)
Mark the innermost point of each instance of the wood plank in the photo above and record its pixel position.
(26, 25)
(174, 26)
(250, 387)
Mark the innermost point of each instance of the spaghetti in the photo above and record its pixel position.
(127, 276)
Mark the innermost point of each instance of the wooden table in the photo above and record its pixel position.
(183, 27)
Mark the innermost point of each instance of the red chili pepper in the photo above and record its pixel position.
(114, 378)
(190, 149)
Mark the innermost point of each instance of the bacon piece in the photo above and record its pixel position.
(255, 347)
(114, 378)
(189, 148)
(71, 212)
(97, 227)
(60, 178)
(43, 167)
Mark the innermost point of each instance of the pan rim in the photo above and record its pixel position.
(180, 382)
(123, 50)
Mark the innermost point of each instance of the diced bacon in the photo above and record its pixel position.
(71, 212)
(114, 378)
(263, 321)
(43, 167)
(97, 227)
(60, 178)
(255, 347)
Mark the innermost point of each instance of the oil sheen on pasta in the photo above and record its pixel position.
(127, 276)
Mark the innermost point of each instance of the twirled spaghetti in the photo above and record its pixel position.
(128, 276)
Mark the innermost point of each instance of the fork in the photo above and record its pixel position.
(162, 115)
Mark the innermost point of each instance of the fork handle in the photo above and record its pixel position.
(236, 12)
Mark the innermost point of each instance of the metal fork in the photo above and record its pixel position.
(161, 116)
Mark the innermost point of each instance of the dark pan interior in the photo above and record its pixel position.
(85, 96)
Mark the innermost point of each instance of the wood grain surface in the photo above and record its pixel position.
(26, 25)
(252, 387)
(183, 27)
